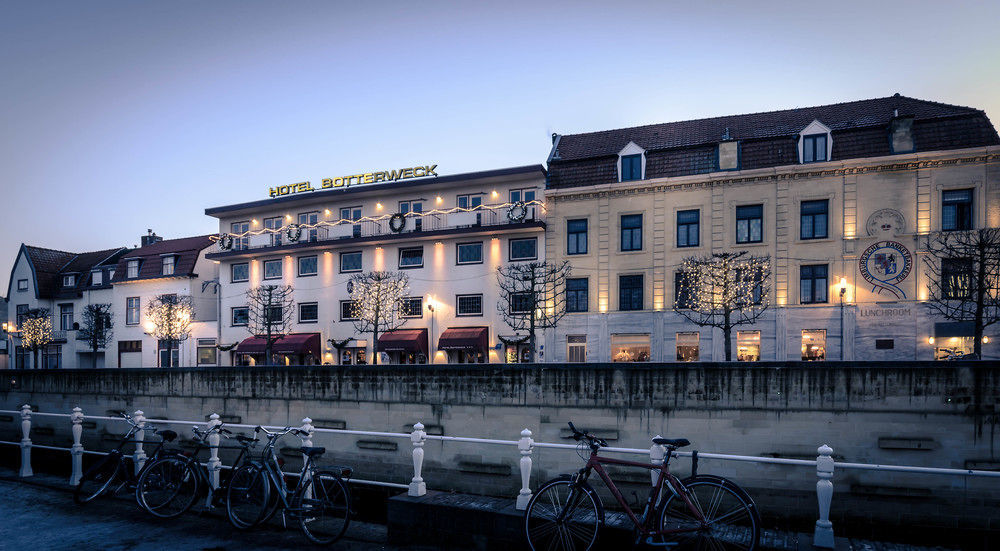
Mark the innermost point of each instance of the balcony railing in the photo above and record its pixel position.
(388, 225)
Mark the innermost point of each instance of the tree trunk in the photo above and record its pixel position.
(34, 358)
(728, 330)
(94, 356)
(977, 346)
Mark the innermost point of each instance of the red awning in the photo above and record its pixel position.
(403, 340)
(464, 338)
(295, 343)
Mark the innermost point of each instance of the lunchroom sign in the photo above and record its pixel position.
(356, 179)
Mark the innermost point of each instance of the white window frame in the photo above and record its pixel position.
(69, 280)
(132, 268)
(458, 312)
(816, 127)
(22, 285)
(97, 277)
(171, 261)
(632, 149)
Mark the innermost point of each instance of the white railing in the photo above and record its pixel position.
(525, 445)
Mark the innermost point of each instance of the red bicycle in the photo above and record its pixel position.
(700, 512)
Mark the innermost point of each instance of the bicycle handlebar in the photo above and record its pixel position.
(594, 441)
(280, 432)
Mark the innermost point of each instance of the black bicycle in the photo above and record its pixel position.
(320, 501)
(114, 471)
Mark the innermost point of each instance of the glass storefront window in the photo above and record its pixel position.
(629, 348)
(813, 345)
(748, 346)
(953, 348)
(687, 347)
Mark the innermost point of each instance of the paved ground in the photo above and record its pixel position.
(37, 516)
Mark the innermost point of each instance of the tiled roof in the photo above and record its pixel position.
(50, 265)
(186, 250)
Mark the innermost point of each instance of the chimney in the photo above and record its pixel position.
(150, 238)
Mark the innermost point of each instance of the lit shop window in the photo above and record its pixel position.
(748, 346)
(687, 347)
(813, 345)
(630, 348)
(951, 348)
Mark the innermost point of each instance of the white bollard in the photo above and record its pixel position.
(657, 453)
(214, 463)
(77, 450)
(139, 459)
(307, 442)
(525, 445)
(823, 536)
(26, 441)
(417, 485)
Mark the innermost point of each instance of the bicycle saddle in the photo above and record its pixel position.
(167, 435)
(672, 442)
(312, 452)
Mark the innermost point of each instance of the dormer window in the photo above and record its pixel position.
(69, 281)
(96, 277)
(132, 269)
(168, 264)
(815, 143)
(631, 163)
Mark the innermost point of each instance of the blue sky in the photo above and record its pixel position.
(122, 116)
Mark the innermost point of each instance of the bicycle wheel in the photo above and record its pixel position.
(97, 479)
(325, 514)
(168, 487)
(247, 496)
(561, 517)
(730, 514)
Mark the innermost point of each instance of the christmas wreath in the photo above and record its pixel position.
(517, 212)
(226, 242)
(294, 232)
(397, 222)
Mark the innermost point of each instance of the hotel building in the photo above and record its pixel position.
(840, 197)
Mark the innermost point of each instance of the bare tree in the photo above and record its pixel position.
(270, 315)
(96, 329)
(964, 278)
(168, 319)
(376, 303)
(532, 297)
(724, 290)
(36, 332)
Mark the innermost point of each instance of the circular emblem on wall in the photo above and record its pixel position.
(885, 265)
(886, 221)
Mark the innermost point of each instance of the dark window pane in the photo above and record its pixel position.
(523, 249)
(630, 292)
(470, 253)
(411, 258)
(576, 294)
(350, 262)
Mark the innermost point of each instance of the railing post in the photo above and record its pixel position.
(26, 441)
(525, 445)
(139, 459)
(657, 452)
(214, 438)
(77, 450)
(823, 536)
(417, 485)
(308, 429)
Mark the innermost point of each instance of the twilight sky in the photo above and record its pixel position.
(121, 116)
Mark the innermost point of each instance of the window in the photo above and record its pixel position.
(411, 307)
(307, 266)
(274, 224)
(523, 249)
(576, 348)
(521, 303)
(69, 280)
(132, 311)
(240, 228)
(308, 312)
(526, 194)
(22, 285)
(748, 346)
(687, 346)
(406, 207)
(576, 294)
(353, 214)
(812, 284)
(956, 278)
(470, 253)
(239, 272)
(470, 201)
(273, 315)
(813, 148)
(52, 357)
(241, 315)
(168, 354)
(687, 228)
(683, 298)
(630, 348)
(272, 269)
(813, 217)
(132, 269)
(630, 292)
(576, 236)
(632, 232)
(469, 305)
(22, 357)
(350, 262)
(750, 224)
(885, 344)
(411, 258)
(208, 354)
(309, 219)
(111, 274)
(631, 167)
(96, 277)
(956, 210)
(348, 310)
(22, 313)
(65, 317)
(813, 345)
(168, 265)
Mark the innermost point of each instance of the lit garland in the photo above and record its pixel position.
(36, 332)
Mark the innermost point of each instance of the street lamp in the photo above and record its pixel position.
(843, 292)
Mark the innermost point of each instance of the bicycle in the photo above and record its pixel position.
(171, 484)
(703, 511)
(112, 468)
(321, 501)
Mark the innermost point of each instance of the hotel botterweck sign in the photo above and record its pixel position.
(885, 265)
(355, 179)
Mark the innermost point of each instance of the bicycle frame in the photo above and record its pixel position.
(269, 461)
